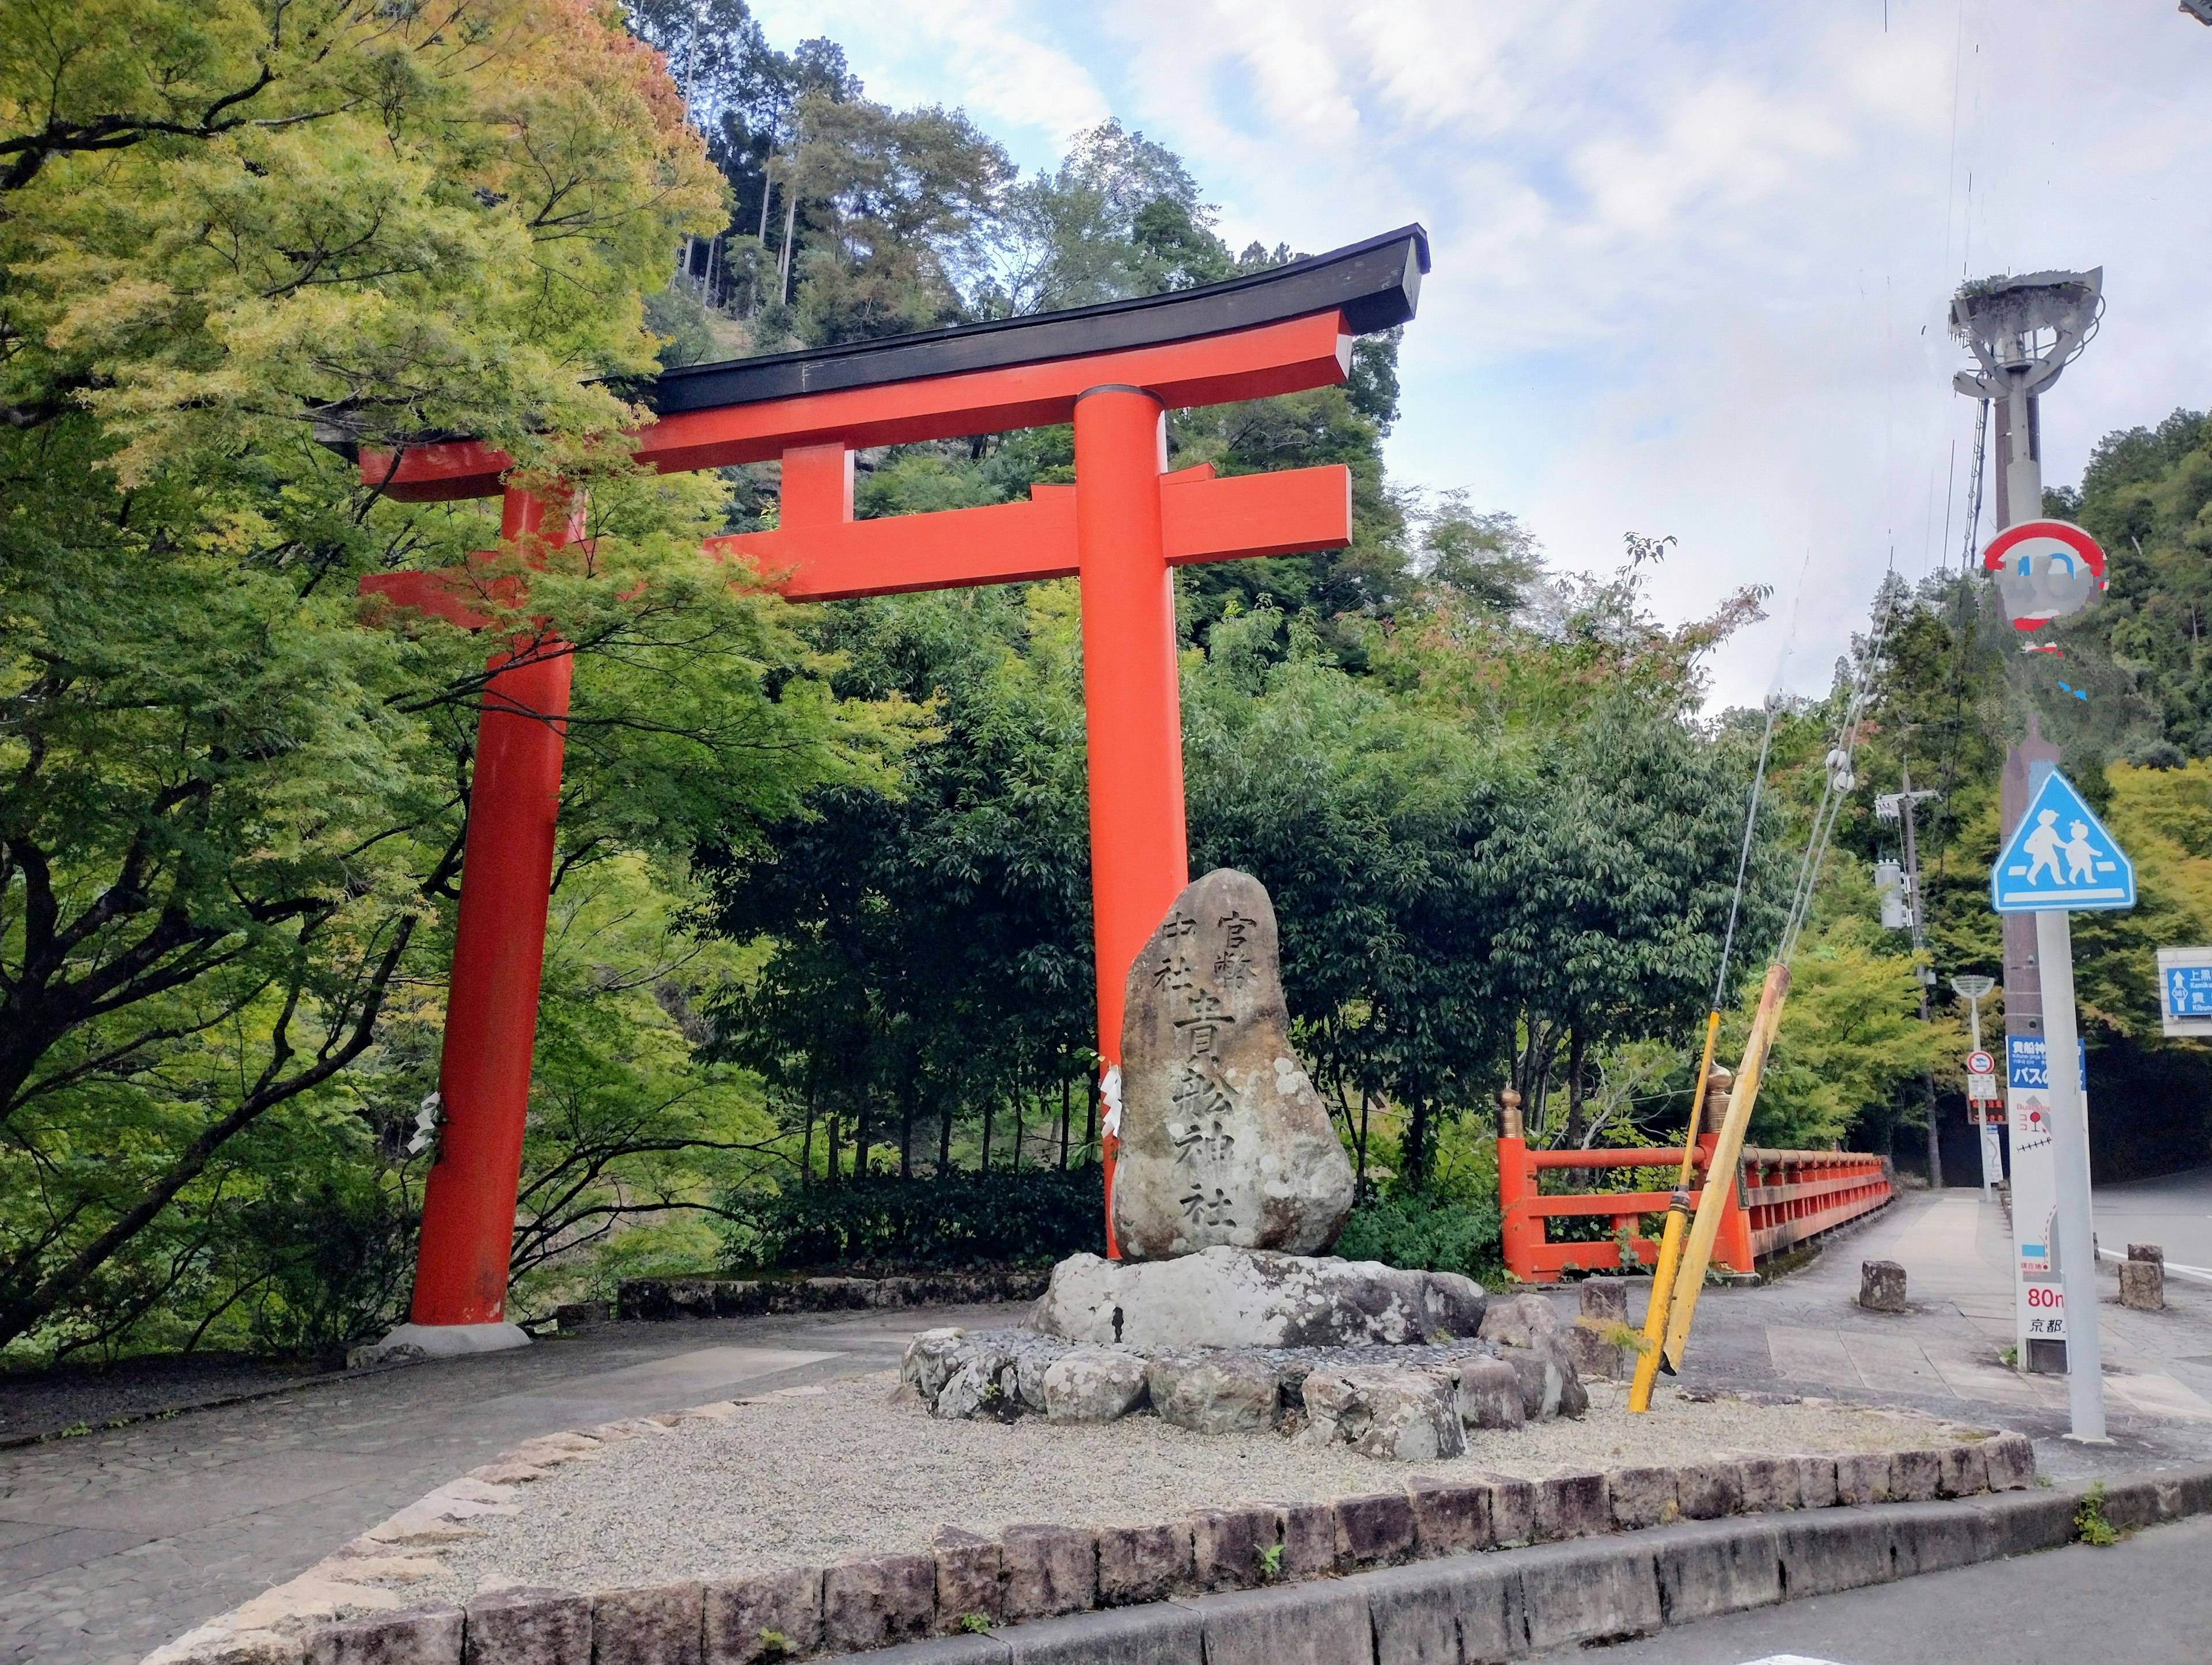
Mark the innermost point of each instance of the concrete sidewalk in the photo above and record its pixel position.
(1808, 1335)
(113, 1543)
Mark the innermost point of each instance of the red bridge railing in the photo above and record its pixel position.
(1779, 1199)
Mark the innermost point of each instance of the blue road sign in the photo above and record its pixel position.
(2189, 991)
(2025, 1062)
(2061, 857)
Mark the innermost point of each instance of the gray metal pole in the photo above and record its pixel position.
(1919, 942)
(2069, 1137)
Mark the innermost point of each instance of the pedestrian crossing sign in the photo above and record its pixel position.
(2060, 857)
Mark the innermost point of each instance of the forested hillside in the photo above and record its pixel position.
(821, 928)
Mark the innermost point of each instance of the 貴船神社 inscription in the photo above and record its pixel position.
(1223, 1140)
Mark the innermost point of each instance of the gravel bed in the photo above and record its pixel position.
(858, 1467)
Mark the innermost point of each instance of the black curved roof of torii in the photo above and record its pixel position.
(1374, 285)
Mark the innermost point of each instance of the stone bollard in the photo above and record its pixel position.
(1604, 1300)
(1881, 1286)
(2143, 1278)
(1604, 1307)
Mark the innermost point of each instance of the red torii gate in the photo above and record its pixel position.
(1114, 371)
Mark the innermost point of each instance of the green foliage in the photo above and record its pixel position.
(1428, 1234)
(231, 800)
(2090, 1526)
(955, 1219)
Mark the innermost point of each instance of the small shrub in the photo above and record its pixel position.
(1421, 1233)
(2090, 1525)
(975, 1624)
(1271, 1563)
(1030, 1219)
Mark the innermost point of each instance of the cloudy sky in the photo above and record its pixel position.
(1692, 260)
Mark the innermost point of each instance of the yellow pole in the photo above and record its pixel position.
(1720, 1174)
(1670, 1240)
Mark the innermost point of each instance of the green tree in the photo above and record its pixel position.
(230, 815)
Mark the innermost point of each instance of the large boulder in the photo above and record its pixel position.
(1223, 1140)
(1236, 1297)
(1093, 1384)
(1402, 1415)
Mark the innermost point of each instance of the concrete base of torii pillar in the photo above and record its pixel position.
(409, 1343)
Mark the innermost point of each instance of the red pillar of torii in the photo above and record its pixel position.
(1112, 371)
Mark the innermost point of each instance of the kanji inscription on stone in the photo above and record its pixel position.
(1223, 1140)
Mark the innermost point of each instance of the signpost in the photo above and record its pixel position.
(2059, 859)
(2039, 1296)
(1985, 1108)
(2184, 991)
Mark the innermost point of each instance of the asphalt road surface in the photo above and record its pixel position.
(2146, 1602)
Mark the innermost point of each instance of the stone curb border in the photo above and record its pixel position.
(749, 1297)
(967, 1583)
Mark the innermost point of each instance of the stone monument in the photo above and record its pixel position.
(1225, 1142)
(1225, 1313)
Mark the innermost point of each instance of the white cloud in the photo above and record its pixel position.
(1686, 252)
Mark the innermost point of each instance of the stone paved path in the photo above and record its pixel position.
(112, 1544)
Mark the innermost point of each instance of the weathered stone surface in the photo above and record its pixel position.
(1595, 1357)
(1376, 1530)
(1227, 1545)
(1307, 1532)
(1224, 1141)
(649, 1625)
(930, 1359)
(1233, 1297)
(1603, 1301)
(878, 1599)
(1093, 1384)
(1451, 1517)
(1549, 1385)
(1048, 1570)
(1863, 1477)
(1028, 1381)
(1707, 1491)
(1405, 1416)
(1915, 1476)
(1142, 1563)
(524, 1625)
(1518, 1320)
(1641, 1497)
(1770, 1484)
(1816, 1482)
(1215, 1392)
(1512, 1507)
(2009, 1461)
(758, 1615)
(413, 1635)
(1490, 1395)
(968, 1576)
(976, 1388)
(2143, 1285)
(1571, 1506)
(1881, 1286)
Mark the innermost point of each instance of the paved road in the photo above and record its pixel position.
(2146, 1602)
(112, 1544)
(1806, 1334)
(2174, 1212)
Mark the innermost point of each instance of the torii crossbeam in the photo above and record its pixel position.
(1113, 371)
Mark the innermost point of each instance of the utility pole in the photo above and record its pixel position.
(1899, 806)
(2023, 332)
